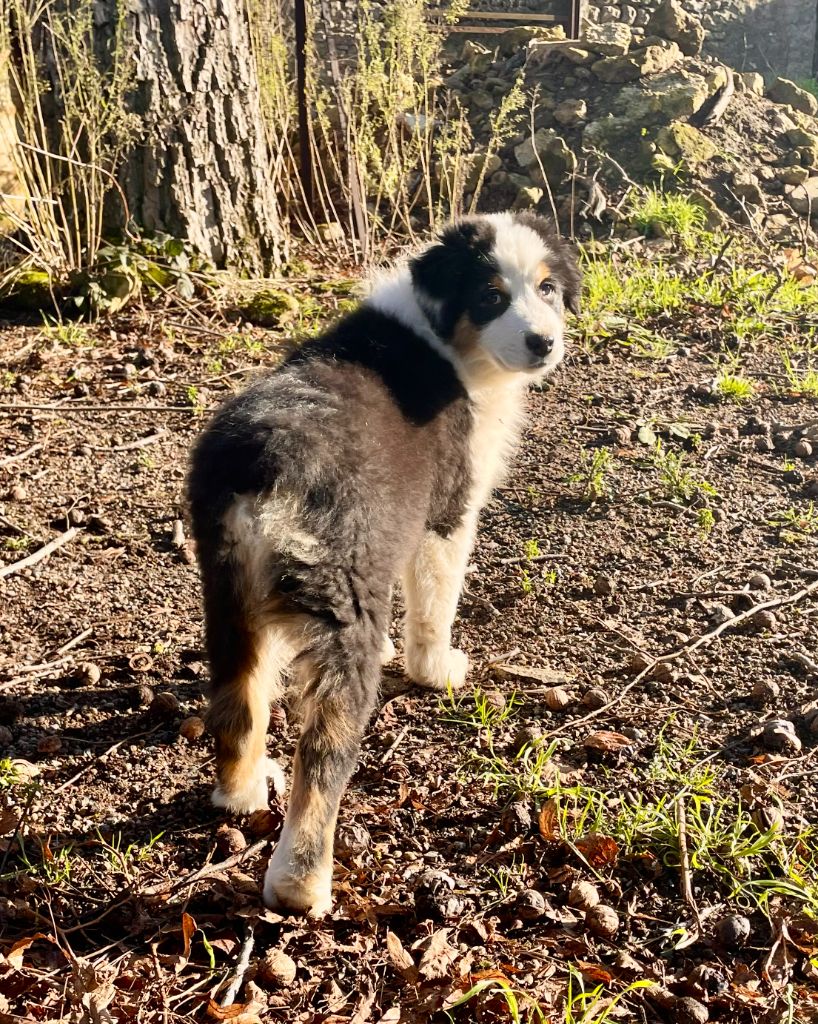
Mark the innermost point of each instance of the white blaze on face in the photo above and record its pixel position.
(522, 256)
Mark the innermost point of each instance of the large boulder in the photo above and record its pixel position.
(804, 198)
(610, 40)
(671, 21)
(783, 90)
(647, 60)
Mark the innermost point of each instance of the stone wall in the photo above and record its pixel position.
(775, 37)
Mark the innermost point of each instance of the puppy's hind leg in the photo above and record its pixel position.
(247, 666)
(336, 710)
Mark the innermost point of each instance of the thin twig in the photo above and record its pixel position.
(21, 455)
(776, 602)
(394, 745)
(684, 861)
(169, 887)
(74, 407)
(38, 556)
(141, 442)
(242, 964)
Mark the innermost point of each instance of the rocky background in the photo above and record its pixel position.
(627, 105)
(771, 36)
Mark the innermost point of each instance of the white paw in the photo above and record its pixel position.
(388, 651)
(253, 796)
(284, 890)
(437, 669)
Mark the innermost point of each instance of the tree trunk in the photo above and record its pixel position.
(201, 171)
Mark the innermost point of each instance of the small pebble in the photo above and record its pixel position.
(764, 445)
(49, 744)
(595, 698)
(765, 691)
(704, 391)
(689, 1011)
(90, 673)
(709, 978)
(556, 698)
(781, 441)
(529, 905)
(277, 969)
(663, 672)
(351, 840)
(768, 819)
(720, 613)
(779, 734)
(733, 931)
(164, 703)
(602, 921)
(527, 736)
(583, 896)
(6, 737)
(230, 840)
(604, 586)
(19, 492)
(192, 728)
(144, 695)
(76, 517)
(764, 620)
(759, 581)
(802, 449)
(639, 662)
(516, 819)
(10, 711)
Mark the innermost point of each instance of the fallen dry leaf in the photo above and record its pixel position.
(607, 741)
(401, 959)
(238, 1013)
(14, 958)
(549, 818)
(438, 956)
(598, 849)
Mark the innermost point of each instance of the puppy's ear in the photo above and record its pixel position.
(571, 277)
(439, 271)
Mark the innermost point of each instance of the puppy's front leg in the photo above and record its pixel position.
(432, 584)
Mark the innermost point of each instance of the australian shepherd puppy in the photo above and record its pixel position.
(362, 461)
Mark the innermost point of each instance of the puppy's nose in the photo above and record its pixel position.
(538, 344)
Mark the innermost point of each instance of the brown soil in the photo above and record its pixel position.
(111, 764)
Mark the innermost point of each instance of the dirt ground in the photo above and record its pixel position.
(578, 582)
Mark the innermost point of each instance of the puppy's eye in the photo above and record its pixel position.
(491, 297)
(546, 287)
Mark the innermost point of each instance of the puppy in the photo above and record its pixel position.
(363, 460)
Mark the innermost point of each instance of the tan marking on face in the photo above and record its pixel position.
(466, 335)
(542, 273)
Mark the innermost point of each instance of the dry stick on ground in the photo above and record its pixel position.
(38, 556)
(242, 964)
(169, 887)
(687, 649)
(141, 442)
(12, 407)
(684, 861)
(21, 455)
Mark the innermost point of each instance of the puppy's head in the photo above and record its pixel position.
(496, 287)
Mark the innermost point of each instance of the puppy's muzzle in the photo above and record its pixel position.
(539, 345)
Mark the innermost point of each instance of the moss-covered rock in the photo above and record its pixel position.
(28, 290)
(269, 307)
(684, 142)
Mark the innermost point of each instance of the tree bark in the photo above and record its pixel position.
(201, 170)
